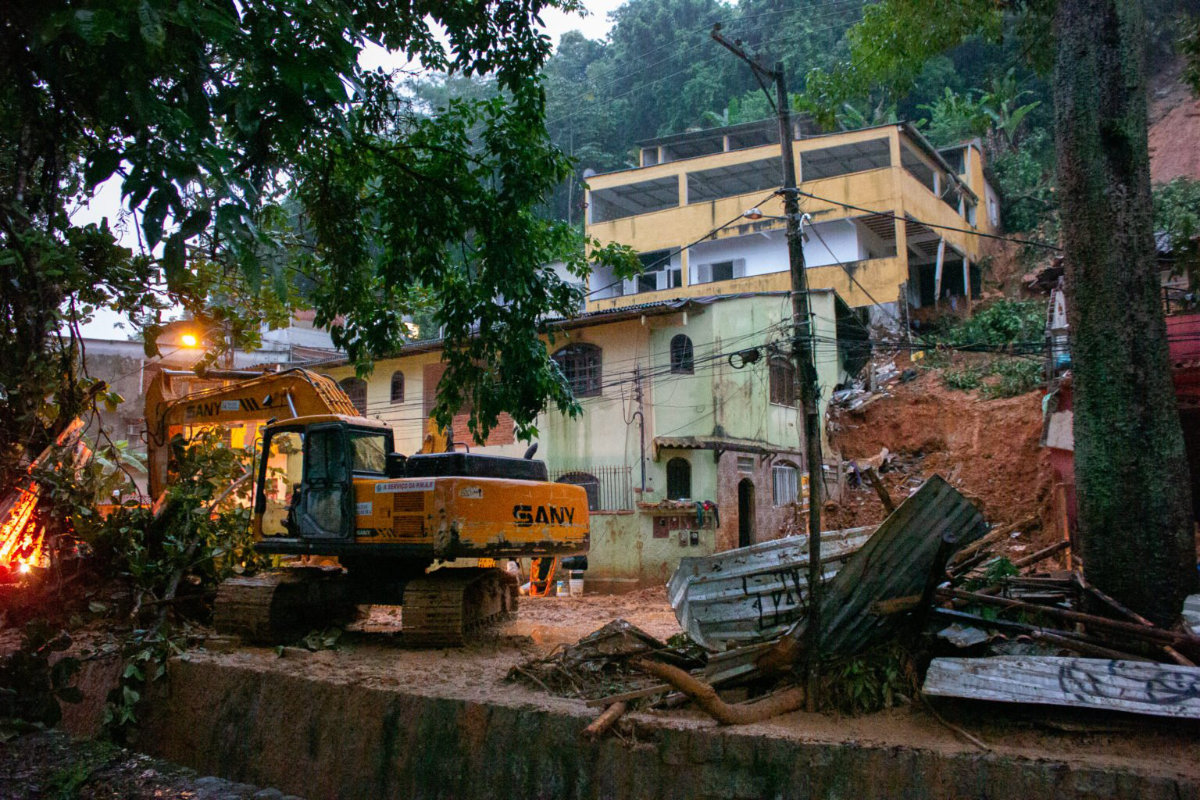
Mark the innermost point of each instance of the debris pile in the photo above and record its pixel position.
(933, 581)
(598, 665)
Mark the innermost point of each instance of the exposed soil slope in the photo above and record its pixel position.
(988, 449)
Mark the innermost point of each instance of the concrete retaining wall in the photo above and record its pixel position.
(340, 740)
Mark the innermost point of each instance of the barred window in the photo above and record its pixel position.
(397, 387)
(783, 381)
(590, 484)
(609, 488)
(679, 479)
(580, 364)
(785, 483)
(356, 390)
(681, 355)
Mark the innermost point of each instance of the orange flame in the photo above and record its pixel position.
(21, 539)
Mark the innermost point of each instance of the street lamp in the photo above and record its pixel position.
(189, 340)
(756, 214)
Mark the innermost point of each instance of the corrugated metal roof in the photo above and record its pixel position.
(753, 593)
(908, 551)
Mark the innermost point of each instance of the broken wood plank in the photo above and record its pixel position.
(873, 478)
(636, 694)
(1111, 602)
(1163, 690)
(1080, 643)
(1157, 635)
(1041, 555)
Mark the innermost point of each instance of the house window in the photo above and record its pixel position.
(679, 479)
(657, 272)
(609, 488)
(397, 387)
(580, 365)
(785, 482)
(783, 381)
(590, 484)
(356, 390)
(745, 463)
(681, 355)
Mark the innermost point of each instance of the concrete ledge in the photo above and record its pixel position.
(341, 739)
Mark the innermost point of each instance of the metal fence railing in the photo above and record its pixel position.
(608, 488)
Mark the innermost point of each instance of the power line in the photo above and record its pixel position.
(666, 259)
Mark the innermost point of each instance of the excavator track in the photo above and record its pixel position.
(444, 607)
(282, 606)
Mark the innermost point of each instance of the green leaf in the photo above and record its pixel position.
(100, 166)
(173, 262)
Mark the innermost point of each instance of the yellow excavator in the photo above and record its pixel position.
(328, 482)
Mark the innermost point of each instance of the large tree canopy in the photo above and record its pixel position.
(261, 163)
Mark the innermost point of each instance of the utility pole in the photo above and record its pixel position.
(640, 414)
(802, 349)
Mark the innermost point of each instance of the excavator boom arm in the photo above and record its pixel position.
(175, 400)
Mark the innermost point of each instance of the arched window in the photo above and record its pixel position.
(580, 364)
(397, 387)
(590, 484)
(679, 479)
(785, 483)
(681, 355)
(356, 390)
(783, 381)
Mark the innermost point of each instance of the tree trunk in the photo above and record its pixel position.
(1130, 465)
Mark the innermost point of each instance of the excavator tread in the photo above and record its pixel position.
(282, 606)
(444, 607)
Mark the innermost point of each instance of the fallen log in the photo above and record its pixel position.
(706, 697)
(600, 725)
(997, 535)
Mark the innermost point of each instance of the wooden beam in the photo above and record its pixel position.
(937, 275)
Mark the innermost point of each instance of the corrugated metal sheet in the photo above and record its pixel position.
(1164, 690)
(908, 551)
(753, 593)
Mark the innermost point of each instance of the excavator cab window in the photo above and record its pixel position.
(369, 451)
(282, 477)
(326, 505)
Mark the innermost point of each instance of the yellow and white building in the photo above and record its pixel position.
(896, 220)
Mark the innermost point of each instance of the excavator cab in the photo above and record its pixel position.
(307, 471)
